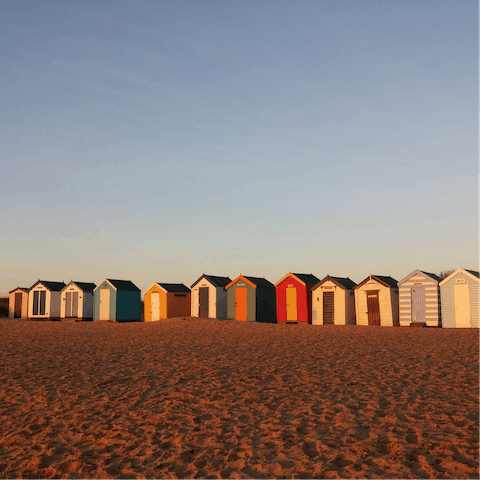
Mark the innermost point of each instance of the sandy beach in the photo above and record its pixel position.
(223, 399)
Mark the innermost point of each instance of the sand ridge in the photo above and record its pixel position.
(223, 399)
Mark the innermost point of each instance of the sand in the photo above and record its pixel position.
(224, 399)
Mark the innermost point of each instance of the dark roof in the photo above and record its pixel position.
(473, 272)
(175, 287)
(260, 282)
(215, 281)
(346, 282)
(308, 278)
(340, 281)
(388, 280)
(436, 277)
(86, 287)
(52, 286)
(19, 288)
(125, 285)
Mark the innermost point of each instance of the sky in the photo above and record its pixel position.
(160, 140)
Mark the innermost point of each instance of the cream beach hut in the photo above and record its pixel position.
(333, 301)
(18, 303)
(460, 299)
(77, 301)
(44, 300)
(419, 296)
(209, 297)
(376, 301)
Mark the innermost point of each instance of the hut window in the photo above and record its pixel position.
(179, 294)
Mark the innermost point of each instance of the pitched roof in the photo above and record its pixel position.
(23, 289)
(52, 286)
(432, 276)
(214, 280)
(387, 281)
(260, 282)
(391, 282)
(125, 285)
(308, 278)
(436, 277)
(473, 272)
(175, 287)
(85, 286)
(340, 281)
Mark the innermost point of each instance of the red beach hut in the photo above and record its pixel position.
(294, 297)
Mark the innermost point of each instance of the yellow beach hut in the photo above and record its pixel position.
(376, 301)
(166, 300)
(18, 303)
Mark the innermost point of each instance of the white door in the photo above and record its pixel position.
(104, 304)
(461, 299)
(155, 306)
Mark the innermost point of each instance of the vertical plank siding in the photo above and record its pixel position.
(212, 296)
(24, 304)
(387, 299)
(339, 303)
(448, 303)
(302, 300)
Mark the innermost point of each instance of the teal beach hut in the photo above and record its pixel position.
(117, 300)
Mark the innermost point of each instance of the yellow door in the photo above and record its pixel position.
(291, 304)
(105, 304)
(461, 299)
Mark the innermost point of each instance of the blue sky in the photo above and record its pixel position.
(156, 141)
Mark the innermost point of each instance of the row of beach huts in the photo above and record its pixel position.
(420, 299)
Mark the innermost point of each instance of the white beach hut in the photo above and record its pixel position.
(77, 301)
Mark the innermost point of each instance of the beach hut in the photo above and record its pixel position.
(333, 301)
(419, 296)
(460, 299)
(116, 300)
(166, 300)
(376, 301)
(294, 297)
(77, 300)
(18, 303)
(251, 299)
(44, 300)
(209, 297)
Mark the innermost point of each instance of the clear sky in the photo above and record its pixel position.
(159, 140)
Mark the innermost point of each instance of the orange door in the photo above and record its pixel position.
(241, 304)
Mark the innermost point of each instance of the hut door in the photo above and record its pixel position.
(328, 308)
(291, 295)
(418, 304)
(71, 305)
(68, 305)
(240, 303)
(461, 300)
(39, 300)
(104, 313)
(155, 306)
(17, 312)
(203, 302)
(373, 307)
(75, 305)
